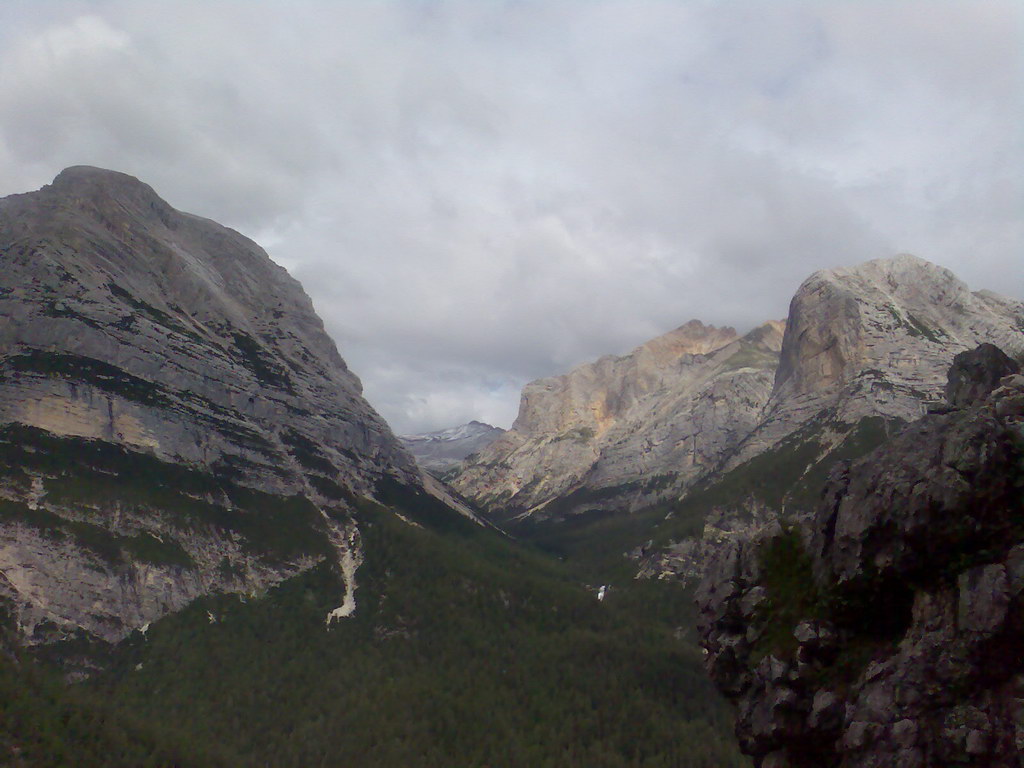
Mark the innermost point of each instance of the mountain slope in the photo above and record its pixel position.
(206, 528)
(173, 418)
(866, 351)
(884, 627)
(876, 340)
(623, 431)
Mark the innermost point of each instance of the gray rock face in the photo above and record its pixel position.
(877, 340)
(885, 630)
(624, 429)
(129, 321)
(444, 450)
(173, 418)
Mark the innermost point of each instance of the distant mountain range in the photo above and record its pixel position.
(442, 450)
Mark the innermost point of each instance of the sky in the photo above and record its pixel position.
(478, 194)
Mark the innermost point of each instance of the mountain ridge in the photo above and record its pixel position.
(581, 430)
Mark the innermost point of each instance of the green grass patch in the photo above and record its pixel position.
(792, 594)
(751, 356)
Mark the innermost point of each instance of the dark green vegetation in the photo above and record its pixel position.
(464, 650)
(105, 377)
(593, 544)
(108, 547)
(915, 327)
(868, 628)
(792, 594)
(750, 355)
(44, 722)
(786, 477)
(263, 365)
(157, 316)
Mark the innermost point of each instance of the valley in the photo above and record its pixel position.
(214, 551)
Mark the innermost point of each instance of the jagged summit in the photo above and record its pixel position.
(81, 175)
(692, 338)
(104, 191)
(868, 341)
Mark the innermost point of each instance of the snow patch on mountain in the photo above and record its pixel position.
(442, 450)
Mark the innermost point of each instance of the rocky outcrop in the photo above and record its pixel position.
(444, 450)
(173, 418)
(877, 340)
(976, 373)
(623, 430)
(884, 630)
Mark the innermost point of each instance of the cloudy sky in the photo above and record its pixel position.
(477, 194)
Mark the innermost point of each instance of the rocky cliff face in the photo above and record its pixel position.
(445, 449)
(865, 349)
(628, 427)
(884, 629)
(173, 418)
(876, 340)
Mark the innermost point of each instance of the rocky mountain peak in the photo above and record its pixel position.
(692, 338)
(877, 339)
(445, 449)
(667, 411)
(105, 191)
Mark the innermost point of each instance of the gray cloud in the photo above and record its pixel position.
(476, 194)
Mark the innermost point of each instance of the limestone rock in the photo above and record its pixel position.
(622, 430)
(877, 340)
(128, 321)
(976, 373)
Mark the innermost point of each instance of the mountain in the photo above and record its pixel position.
(876, 340)
(169, 352)
(443, 450)
(699, 436)
(883, 627)
(624, 431)
(865, 351)
(213, 552)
